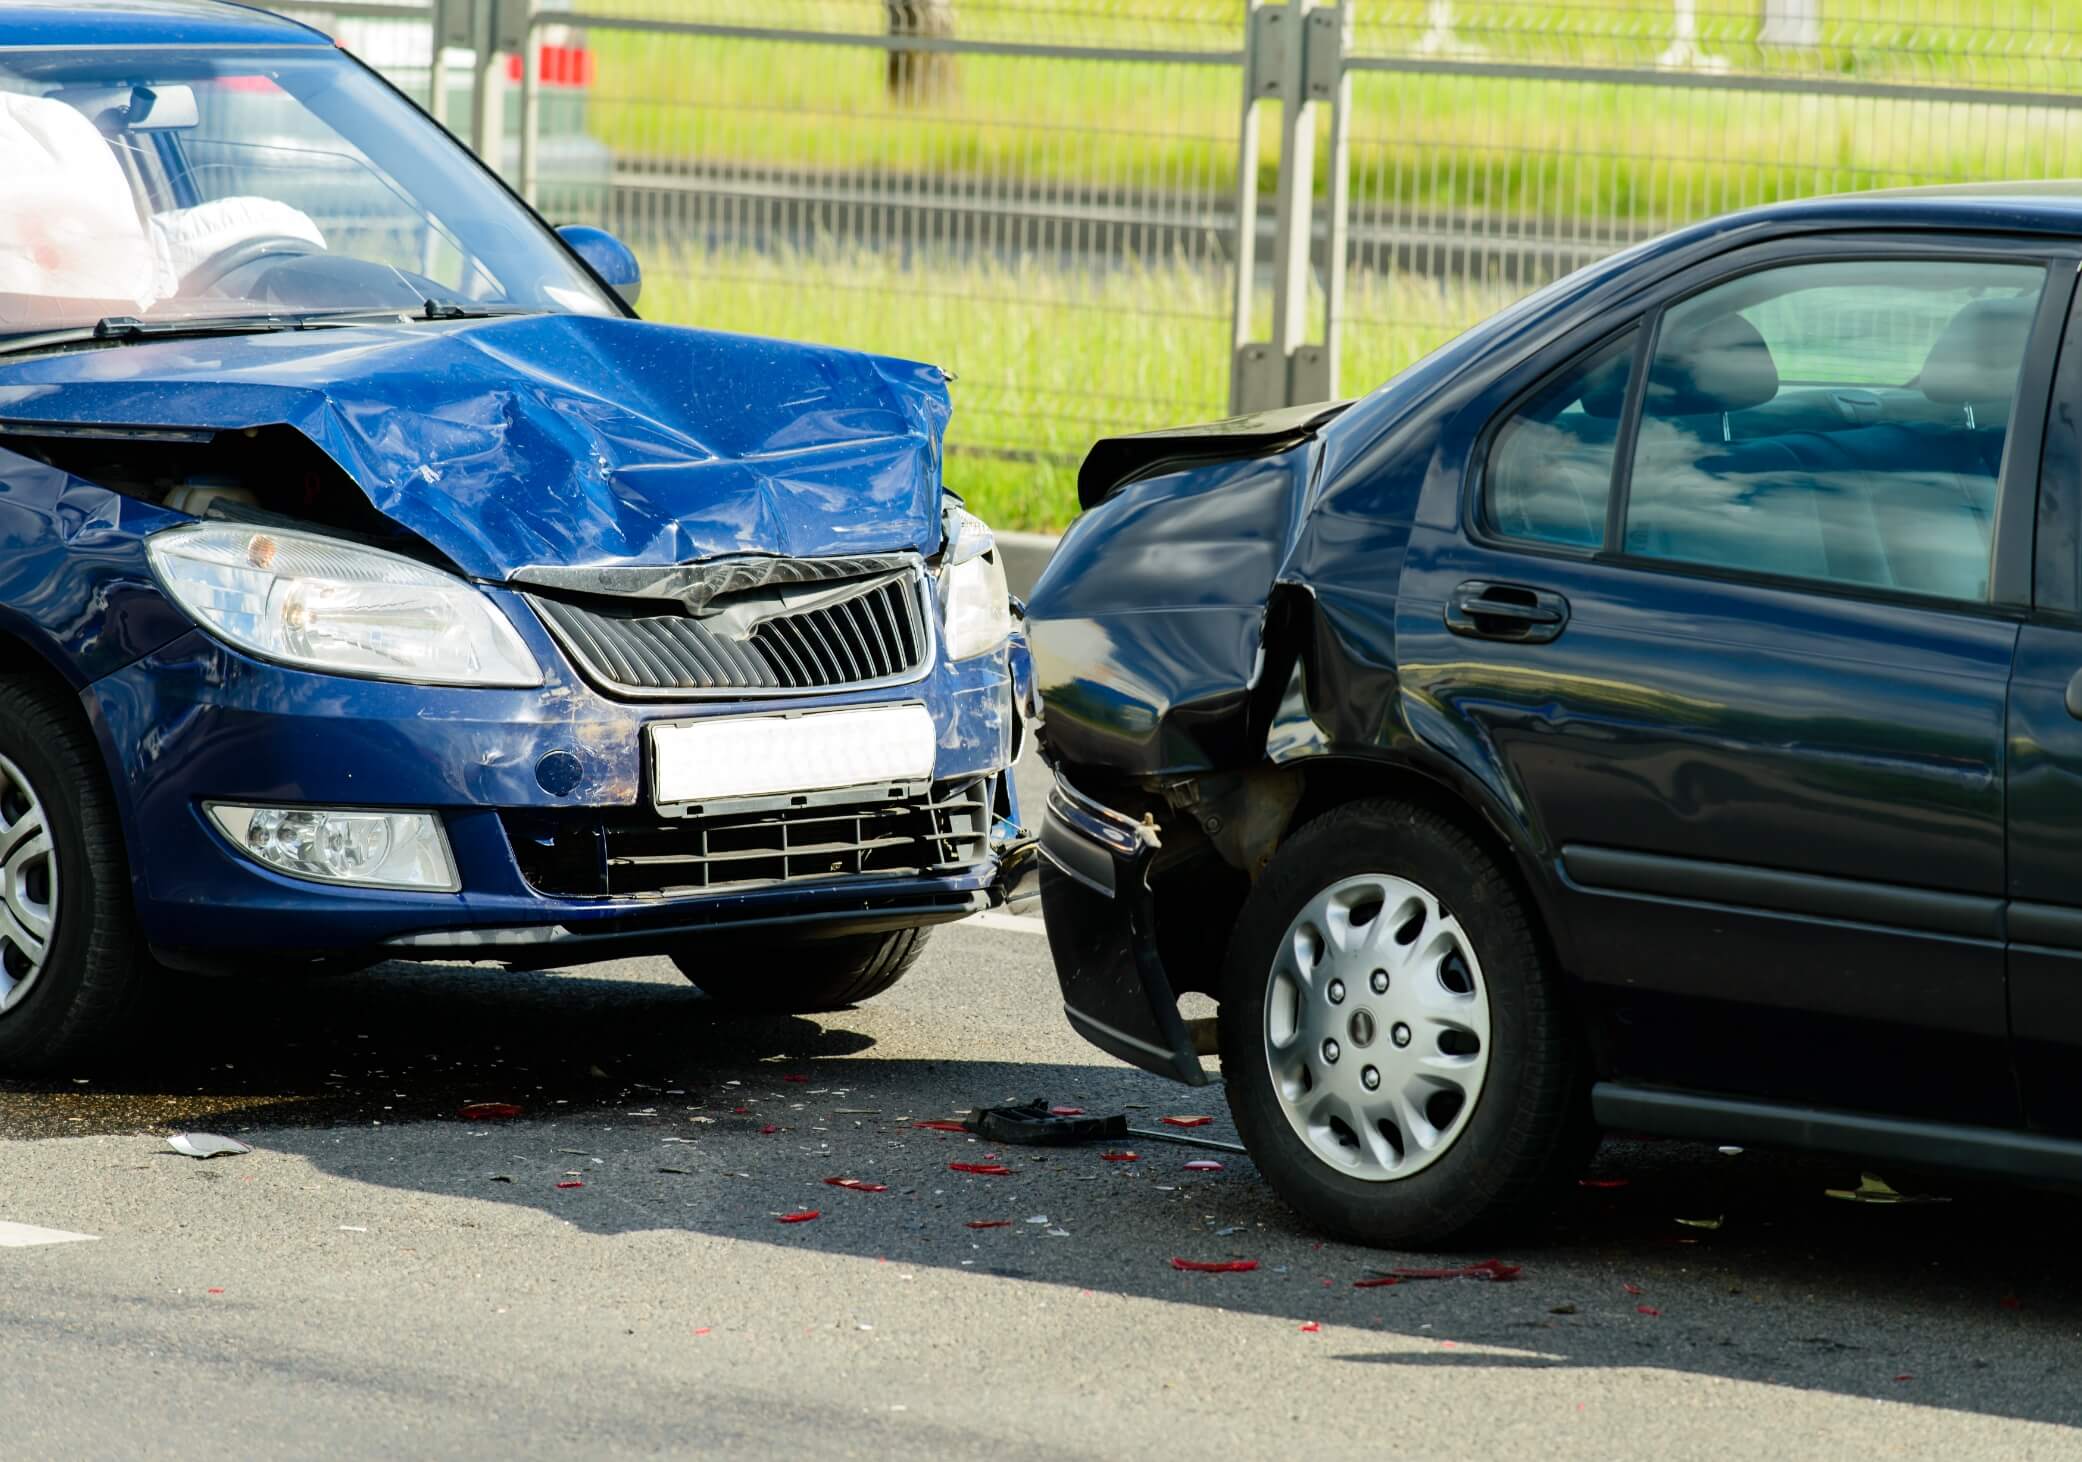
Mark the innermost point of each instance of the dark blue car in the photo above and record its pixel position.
(1656, 711)
(376, 586)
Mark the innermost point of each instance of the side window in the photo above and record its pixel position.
(1549, 473)
(1841, 422)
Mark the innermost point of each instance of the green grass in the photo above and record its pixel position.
(1049, 359)
(1658, 155)
(1045, 361)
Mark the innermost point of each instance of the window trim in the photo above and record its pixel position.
(2056, 586)
(2011, 538)
(1479, 454)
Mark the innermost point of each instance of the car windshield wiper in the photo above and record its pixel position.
(123, 329)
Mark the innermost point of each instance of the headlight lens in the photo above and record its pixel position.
(972, 586)
(337, 607)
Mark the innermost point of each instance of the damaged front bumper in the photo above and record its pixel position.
(540, 861)
(1101, 918)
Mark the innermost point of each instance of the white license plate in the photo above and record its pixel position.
(726, 757)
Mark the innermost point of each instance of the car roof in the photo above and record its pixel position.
(62, 23)
(2050, 206)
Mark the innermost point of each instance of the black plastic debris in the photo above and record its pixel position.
(1033, 1125)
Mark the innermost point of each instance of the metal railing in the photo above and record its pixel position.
(1070, 202)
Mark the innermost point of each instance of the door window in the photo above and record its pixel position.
(1841, 422)
(1550, 463)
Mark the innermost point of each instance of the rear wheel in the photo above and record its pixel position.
(795, 975)
(1393, 1039)
(71, 973)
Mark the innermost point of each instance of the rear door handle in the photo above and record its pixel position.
(1489, 611)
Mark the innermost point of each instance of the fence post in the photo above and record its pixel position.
(1293, 54)
(1330, 81)
(1241, 359)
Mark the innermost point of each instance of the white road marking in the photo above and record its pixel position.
(1015, 923)
(27, 1235)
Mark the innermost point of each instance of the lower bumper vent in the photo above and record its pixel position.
(633, 851)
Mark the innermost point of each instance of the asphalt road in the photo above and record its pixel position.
(380, 1277)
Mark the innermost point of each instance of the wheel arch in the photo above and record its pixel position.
(1333, 780)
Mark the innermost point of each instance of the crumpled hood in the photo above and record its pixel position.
(556, 439)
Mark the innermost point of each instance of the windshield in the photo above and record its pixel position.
(173, 184)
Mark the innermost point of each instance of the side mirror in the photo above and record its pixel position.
(611, 259)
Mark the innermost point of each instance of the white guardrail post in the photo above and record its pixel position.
(1293, 54)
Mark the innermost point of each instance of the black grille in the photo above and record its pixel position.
(654, 647)
(606, 853)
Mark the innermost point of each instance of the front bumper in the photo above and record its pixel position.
(1101, 918)
(197, 721)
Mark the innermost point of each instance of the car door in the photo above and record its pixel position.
(1730, 603)
(2045, 781)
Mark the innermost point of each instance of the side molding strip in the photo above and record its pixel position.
(1610, 870)
(1990, 1150)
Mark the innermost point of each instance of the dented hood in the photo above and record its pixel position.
(561, 440)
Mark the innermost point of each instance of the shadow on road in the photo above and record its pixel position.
(1684, 1259)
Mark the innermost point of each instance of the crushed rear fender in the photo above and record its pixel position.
(1148, 626)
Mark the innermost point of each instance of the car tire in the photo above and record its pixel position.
(800, 976)
(1347, 1104)
(79, 1004)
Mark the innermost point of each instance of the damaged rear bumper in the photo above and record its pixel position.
(1101, 919)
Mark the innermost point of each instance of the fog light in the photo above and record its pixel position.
(332, 845)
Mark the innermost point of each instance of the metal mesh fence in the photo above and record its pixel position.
(1502, 145)
(1043, 195)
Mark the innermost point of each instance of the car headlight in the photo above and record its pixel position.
(972, 588)
(322, 604)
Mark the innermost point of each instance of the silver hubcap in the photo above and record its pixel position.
(28, 886)
(1377, 1027)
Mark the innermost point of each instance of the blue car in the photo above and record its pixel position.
(1659, 710)
(377, 586)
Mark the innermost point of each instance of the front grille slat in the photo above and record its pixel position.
(649, 647)
(625, 852)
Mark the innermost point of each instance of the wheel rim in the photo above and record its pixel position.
(28, 886)
(1377, 1027)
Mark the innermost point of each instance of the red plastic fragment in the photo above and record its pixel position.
(986, 1169)
(1215, 1266)
(768, 1130)
(1494, 1269)
(857, 1185)
(1377, 1282)
(1310, 1327)
(1185, 1121)
(1120, 1157)
(1066, 1111)
(1203, 1165)
(571, 1183)
(990, 1223)
(488, 1111)
(2011, 1302)
(803, 1217)
(216, 1291)
(1601, 1182)
(1906, 1376)
(1630, 1288)
(800, 1080)
(741, 1111)
(1649, 1310)
(703, 1330)
(941, 1126)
